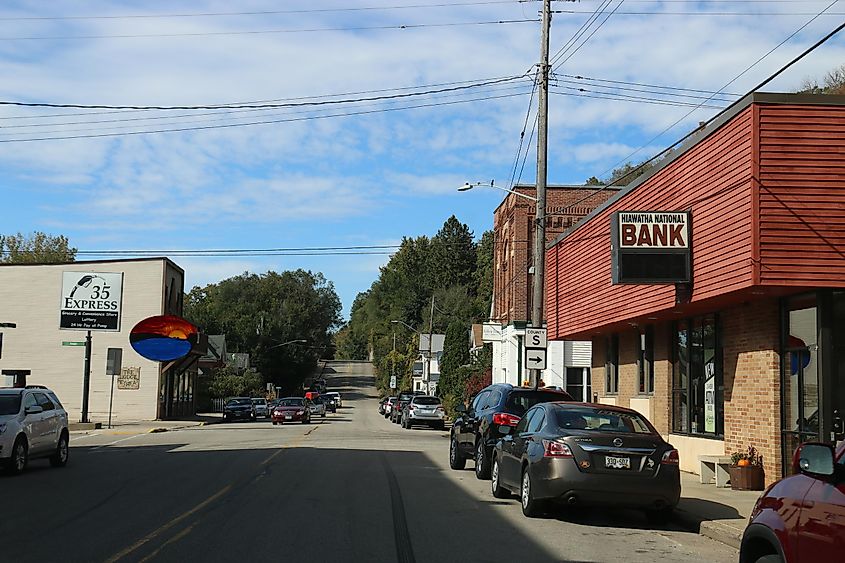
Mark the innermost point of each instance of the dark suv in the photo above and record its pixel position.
(800, 518)
(476, 429)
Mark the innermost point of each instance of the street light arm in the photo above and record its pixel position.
(469, 186)
(300, 340)
(409, 327)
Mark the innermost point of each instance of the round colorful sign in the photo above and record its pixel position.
(163, 338)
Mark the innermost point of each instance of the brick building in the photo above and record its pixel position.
(750, 350)
(513, 227)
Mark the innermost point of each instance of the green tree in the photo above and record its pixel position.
(226, 382)
(452, 259)
(35, 248)
(260, 313)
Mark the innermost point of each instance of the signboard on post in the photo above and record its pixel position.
(535, 358)
(91, 301)
(491, 332)
(393, 382)
(535, 338)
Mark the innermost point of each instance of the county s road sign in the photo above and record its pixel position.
(91, 301)
(535, 338)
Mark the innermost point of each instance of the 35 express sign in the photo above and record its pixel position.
(91, 301)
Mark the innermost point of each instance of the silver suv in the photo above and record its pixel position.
(33, 424)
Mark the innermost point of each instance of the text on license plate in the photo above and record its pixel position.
(617, 462)
(288, 416)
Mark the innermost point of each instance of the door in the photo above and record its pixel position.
(469, 428)
(33, 425)
(50, 421)
(510, 464)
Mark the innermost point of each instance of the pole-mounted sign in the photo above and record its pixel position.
(91, 301)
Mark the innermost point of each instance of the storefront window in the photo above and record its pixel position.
(578, 383)
(611, 366)
(697, 388)
(645, 362)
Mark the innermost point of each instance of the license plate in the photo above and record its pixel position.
(288, 416)
(617, 462)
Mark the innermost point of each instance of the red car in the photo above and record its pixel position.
(801, 518)
(291, 409)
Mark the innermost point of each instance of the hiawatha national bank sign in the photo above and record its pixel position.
(91, 301)
(650, 247)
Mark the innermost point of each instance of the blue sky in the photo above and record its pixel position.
(354, 180)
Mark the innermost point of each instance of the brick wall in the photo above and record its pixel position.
(752, 382)
(513, 226)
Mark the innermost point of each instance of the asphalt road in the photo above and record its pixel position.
(350, 487)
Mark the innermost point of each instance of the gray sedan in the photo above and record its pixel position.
(587, 454)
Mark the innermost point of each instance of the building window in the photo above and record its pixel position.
(645, 361)
(697, 379)
(611, 365)
(575, 384)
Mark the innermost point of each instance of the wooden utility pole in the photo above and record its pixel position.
(542, 174)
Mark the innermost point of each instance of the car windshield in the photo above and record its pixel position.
(10, 404)
(291, 402)
(237, 402)
(426, 401)
(521, 401)
(600, 420)
(259, 401)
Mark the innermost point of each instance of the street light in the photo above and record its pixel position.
(412, 329)
(466, 187)
(302, 340)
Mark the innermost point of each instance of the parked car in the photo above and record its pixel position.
(238, 408)
(33, 424)
(800, 518)
(402, 400)
(424, 409)
(317, 406)
(476, 429)
(291, 409)
(388, 406)
(271, 405)
(260, 407)
(381, 404)
(587, 454)
(335, 396)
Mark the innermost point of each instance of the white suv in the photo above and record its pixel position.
(33, 423)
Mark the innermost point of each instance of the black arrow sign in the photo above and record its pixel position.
(536, 359)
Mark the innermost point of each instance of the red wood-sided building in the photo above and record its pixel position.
(752, 350)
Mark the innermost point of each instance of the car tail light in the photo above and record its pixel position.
(505, 419)
(670, 458)
(556, 449)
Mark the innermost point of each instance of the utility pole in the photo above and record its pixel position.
(430, 338)
(542, 174)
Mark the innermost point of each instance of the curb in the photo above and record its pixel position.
(728, 532)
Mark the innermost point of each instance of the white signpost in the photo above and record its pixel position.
(393, 382)
(535, 348)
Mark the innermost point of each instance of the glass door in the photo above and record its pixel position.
(800, 376)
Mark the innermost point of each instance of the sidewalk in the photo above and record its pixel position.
(717, 513)
(151, 426)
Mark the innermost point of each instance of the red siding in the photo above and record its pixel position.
(802, 195)
(713, 180)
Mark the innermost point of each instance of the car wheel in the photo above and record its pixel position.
(496, 486)
(773, 558)
(20, 456)
(482, 460)
(323, 415)
(531, 507)
(456, 460)
(659, 517)
(59, 459)
(275, 423)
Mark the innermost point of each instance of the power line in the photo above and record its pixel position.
(267, 31)
(218, 115)
(261, 105)
(702, 13)
(613, 90)
(569, 55)
(262, 12)
(580, 31)
(578, 77)
(583, 92)
(263, 122)
(522, 133)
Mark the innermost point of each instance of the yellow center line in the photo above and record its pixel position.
(155, 533)
(174, 539)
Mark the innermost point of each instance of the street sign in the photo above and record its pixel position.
(66, 343)
(535, 338)
(491, 332)
(393, 382)
(535, 358)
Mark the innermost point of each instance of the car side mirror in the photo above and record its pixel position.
(34, 409)
(814, 460)
(460, 409)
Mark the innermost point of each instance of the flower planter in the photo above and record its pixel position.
(748, 478)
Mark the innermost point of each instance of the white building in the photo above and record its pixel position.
(31, 297)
